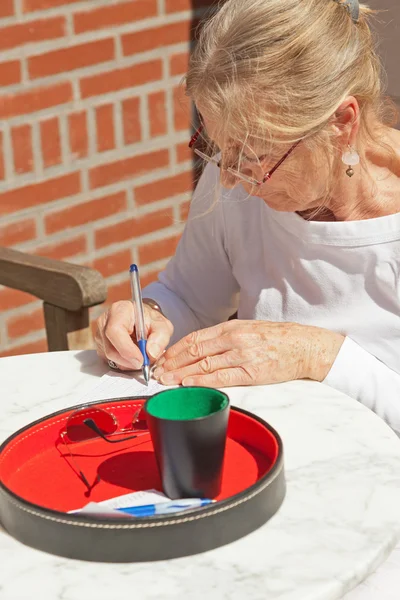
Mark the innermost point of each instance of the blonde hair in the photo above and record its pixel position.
(289, 63)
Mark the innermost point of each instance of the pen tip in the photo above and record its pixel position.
(146, 374)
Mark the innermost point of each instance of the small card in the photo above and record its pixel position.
(108, 507)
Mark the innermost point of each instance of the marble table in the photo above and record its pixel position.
(339, 521)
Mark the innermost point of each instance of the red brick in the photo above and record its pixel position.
(31, 348)
(10, 299)
(2, 166)
(114, 263)
(131, 120)
(177, 5)
(105, 127)
(10, 72)
(178, 64)
(165, 188)
(118, 79)
(183, 152)
(117, 14)
(157, 114)
(31, 5)
(126, 230)
(182, 109)
(6, 8)
(34, 31)
(36, 99)
(51, 142)
(120, 291)
(65, 249)
(85, 213)
(25, 324)
(22, 231)
(127, 168)
(158, 250)
(157, 37)
(70, 58)
(181, 5)
(21, 137)
(78, 135)
(39, 193)
(184, 210)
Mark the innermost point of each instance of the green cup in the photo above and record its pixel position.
(188, 427)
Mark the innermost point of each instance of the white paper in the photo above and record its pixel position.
(140, 498)
(108, 507)
(93, 508)
(117, 385)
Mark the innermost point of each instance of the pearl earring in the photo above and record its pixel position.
(351, 158)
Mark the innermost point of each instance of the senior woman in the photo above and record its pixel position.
(295, 222)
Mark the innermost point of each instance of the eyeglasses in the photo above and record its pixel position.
(234, 172)
(89, 423)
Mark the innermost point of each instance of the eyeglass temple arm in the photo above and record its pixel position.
(92, 425)
(278, 164)
(195, 136)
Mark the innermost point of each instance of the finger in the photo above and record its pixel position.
(104, 348)
(195, 338)
(125, 365)
(207, 365)
(159, 332)
(194, 352)
(117, 336)
(219, 379)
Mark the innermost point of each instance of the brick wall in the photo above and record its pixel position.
(94, 164)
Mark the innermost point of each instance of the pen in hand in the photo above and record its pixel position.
(141, 335)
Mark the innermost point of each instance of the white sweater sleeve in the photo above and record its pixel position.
(197, 289)
(364, 377)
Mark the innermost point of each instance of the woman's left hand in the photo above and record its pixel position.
(249, 353)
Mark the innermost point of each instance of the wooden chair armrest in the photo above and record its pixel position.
(67, 292)
(59, 283)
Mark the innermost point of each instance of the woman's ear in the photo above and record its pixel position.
(346, 121)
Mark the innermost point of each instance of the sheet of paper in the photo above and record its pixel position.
(108, 507)
(140, 498)
(118, 385)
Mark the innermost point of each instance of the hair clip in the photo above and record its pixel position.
(352, 7)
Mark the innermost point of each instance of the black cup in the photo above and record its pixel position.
(188, 427)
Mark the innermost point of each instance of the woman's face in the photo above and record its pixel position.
(298, 184)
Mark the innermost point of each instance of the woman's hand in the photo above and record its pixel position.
(115, 339)
(249, 353)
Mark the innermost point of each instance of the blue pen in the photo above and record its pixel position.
(141, 335)
(148, 510)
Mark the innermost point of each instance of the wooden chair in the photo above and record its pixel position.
(67, 291)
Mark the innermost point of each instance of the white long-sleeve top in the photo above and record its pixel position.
(236, 253)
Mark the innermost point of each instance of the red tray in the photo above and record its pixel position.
(39, 485)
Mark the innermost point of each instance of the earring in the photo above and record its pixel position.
(351, 158)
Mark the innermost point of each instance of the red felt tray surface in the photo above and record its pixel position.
(37, 467)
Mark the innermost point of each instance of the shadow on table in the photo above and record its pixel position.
(91, 363)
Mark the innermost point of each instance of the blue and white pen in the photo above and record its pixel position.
(163, 508)
(141, 335)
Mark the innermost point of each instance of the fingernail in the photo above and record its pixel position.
(188, 382)
(158, 372)
(135, 364)
(168, 378)
(154, 349)
(161, 361)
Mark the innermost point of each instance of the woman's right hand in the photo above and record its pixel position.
(115, 336)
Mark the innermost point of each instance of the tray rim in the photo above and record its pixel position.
(194, 514)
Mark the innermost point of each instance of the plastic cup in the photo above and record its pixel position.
(188, 427)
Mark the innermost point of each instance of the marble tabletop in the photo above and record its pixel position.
(339, 521)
